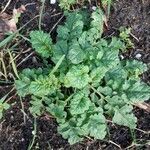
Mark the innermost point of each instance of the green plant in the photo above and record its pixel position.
(65, 4)
(3, 106)
(86, 83)
(107, 3)
(125, 36)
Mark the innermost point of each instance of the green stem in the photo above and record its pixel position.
(101, 95)
(34, 135)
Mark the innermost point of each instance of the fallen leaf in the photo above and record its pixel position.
(12, 25)
(8, 23)
(3, 26)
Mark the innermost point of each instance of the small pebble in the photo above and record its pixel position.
(11, 117)
(122, 57)
(34, 60)
(11, 140)
(138, 56)
(52, 1)
(94, 8)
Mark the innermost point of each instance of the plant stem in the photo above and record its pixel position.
(34, 135)
(101, 95)
(41, 12)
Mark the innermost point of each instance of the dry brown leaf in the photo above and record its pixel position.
(5, 16)
(3, 28)
(12, 25)
(8, 23)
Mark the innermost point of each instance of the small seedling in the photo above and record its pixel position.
(125, 36)
(3, 106)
